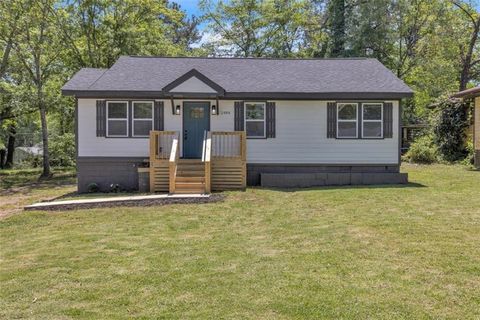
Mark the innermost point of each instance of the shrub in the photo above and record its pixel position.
(450, 129)
(62, 150)
(115, 187)
(31, 161)
(92, 187)
(422, 150)
(470, 158)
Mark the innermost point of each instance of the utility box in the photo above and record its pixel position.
(144, 179)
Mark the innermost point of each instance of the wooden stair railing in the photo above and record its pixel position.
(206, 159)
(160, 149)
(222, 167)
(228, 158)
(172, 165)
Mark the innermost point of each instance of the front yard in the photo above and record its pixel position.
(395, 252)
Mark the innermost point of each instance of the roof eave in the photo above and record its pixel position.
(467, 94)
(240, 95)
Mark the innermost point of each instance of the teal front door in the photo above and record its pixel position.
(196, 120)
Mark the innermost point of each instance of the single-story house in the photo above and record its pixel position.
(473, 93)
(204, 124)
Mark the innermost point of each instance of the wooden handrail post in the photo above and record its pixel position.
(152, 145)
(208, 171)
(243, 139)
(152, 160)
(172, 165)
(243, 143)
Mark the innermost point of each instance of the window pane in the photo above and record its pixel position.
(142, 127)
(255, 128)
(197, 113)
(117, 110)
(142, 110)
(255, 111)
(117, 127)
(372, 112)
(347, 111)
(347, 129)
(372, 129)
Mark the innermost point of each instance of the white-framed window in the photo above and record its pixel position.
(372, 120)
(117, 119)
(142, 120)
(255, 119)
(347, 124)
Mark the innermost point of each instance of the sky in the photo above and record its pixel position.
(190, 6)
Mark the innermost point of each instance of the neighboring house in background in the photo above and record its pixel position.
(410, 133)
(473, 93)
(25, 153)
(307, 122)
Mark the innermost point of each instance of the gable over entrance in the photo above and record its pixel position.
(193, 82)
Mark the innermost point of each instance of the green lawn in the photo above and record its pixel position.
(398, 252)
(19, 188)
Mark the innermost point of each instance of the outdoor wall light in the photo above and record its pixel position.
(214, 110)
(177, 109)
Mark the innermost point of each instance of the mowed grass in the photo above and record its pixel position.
(19, 188)
(397, 252)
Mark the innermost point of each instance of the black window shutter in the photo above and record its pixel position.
(388, 120)
(239, 116)
(158, 116)
(270, 118)
(101, 118)
(360, 120)
(331, 119)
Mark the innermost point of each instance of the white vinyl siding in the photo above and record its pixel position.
(193, 85)
(301, 136)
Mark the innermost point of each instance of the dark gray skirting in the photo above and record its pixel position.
(342, 173)
(105, 171)
(303, 180)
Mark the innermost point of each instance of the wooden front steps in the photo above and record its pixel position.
(190, 177)
(222, 167)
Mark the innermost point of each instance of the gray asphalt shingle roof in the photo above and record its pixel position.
(83, 79)
(236, 75)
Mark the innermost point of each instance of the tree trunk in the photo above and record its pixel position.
(43, 119)
(10, 146)
(467, 61)
(337, 11)
(2, 158)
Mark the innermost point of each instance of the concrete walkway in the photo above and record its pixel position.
(120, 201)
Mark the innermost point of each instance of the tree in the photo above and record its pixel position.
(98, 32)
(38, 49)
(8, 28)
(253, 28)
(239, 27)
(469, 58)
(10, 14)
(450, 127)
(337, 14)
